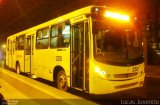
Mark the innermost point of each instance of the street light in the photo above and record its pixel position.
(4, 46)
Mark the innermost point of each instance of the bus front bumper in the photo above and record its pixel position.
(102, 86)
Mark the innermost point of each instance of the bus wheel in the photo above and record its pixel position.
(17, 68)
(61, 82)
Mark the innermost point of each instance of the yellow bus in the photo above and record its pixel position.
(95, 49)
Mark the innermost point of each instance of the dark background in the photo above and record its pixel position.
(18, 15)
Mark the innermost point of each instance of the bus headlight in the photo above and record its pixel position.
(101, 73)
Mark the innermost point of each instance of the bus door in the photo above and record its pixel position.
(28, 54)
(80, 55)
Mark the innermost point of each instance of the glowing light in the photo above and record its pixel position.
(101, 73)
(117, 16)
(4, 46)
(97, 69)
(142, 43)
(135, 18)
(96, 9)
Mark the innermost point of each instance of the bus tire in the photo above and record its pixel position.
(61, 81)
(17, 68)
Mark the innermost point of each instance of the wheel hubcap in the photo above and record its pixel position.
(62, 81)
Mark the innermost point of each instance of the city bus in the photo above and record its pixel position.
(95, 49)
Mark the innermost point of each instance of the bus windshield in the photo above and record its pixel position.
(116, 44)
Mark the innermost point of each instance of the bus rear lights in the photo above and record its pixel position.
(117, 16)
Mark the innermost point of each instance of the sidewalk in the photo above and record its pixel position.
(27, 89)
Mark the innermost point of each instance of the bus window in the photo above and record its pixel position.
(13, 47)
(27, 46)
(66, 35)
(60, 35)
(16, 43)
(21, 42)
(42, 39)
(117, 45)
(54, 33)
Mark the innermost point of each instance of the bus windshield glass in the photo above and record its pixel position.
(116, 43)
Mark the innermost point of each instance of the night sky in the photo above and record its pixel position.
(18, 15)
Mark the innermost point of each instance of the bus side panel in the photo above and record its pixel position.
(47, 59)
(41, 63)
(60, 57)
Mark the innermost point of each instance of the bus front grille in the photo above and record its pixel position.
(126, 75)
